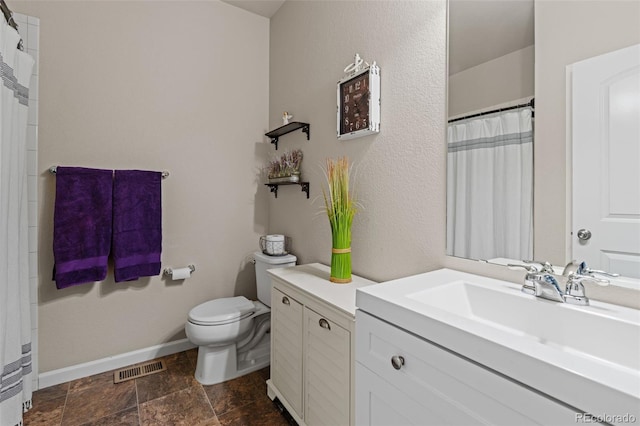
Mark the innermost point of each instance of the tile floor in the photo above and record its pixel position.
(171, 397)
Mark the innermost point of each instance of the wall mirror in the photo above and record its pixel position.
(490, 132)
(490, 138)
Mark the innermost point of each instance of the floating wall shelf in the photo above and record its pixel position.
(274, 187)
(288, 128)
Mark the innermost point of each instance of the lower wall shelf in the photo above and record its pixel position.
(274, 187)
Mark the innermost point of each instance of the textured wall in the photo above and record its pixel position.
(177, 86)
(401, 171)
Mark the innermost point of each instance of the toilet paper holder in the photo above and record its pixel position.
(169, 271)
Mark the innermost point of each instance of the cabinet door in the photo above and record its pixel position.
(327, 371)
(286, 348)
(452, 390)
(380, 404)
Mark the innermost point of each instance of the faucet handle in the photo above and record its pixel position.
(578, 279)
(581, 268)
(574, 291)
(573, 267)
(590, 272)
(544, 266)
(528, 268)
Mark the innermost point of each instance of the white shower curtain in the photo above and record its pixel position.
(490, 186)
(15, 326)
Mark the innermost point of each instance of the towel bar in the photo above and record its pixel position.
(169, 271)
(54, 169)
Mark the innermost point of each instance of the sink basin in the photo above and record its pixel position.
(587, 331)
(586, 356)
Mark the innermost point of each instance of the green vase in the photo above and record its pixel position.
(341, 261)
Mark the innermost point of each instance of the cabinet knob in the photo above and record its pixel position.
(285, 300)
(397, 361)
(324, 324)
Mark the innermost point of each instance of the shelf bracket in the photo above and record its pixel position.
(288, 128)
(273, 187)
(274, 141)
(305, 187)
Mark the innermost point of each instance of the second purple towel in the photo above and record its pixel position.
(137, 224)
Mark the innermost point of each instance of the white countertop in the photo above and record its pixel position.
(313, 278)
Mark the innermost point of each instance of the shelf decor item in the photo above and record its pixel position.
(341, 208)
(358, 96)
(286, 168)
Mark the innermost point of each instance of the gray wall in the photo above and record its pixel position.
(111, 96)
(401, 171)
(158, 86)
(499, 81)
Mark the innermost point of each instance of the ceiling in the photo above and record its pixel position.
(266, 8)
(479, 30)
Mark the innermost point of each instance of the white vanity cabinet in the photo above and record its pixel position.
(429, 385)
(312, 344)
(448, 347)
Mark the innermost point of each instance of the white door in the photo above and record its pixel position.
(606, 161)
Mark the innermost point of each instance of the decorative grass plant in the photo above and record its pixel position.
(341, 208)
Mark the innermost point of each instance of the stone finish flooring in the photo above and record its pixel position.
(171, 397)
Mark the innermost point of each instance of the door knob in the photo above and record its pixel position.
(584, 234)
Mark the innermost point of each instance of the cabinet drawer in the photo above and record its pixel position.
(452, 389)
(327, 371)
(286, 347)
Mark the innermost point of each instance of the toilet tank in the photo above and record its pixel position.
(263, 281)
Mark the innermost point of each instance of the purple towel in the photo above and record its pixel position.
(81, 225)
(137, 224)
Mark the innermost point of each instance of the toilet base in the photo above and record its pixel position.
(221, 363)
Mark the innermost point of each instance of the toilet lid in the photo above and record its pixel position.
(221, 311)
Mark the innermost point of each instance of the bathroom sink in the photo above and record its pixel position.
(593, 331)
(586, 356)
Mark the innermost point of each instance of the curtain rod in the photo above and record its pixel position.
(54, 169)
(531, 104)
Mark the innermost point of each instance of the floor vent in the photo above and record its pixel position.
(139, 371)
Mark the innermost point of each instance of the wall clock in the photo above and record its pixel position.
(359, 101)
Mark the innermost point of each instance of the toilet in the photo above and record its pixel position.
(232, 332)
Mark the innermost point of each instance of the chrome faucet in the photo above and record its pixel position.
(544, 285)
(543, 282)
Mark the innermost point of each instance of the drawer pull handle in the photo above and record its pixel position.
(397, 361)
(285, 300)
(324, 324)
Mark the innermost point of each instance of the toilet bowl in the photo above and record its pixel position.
(232, 333)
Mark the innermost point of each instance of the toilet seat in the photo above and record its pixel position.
(222, 311)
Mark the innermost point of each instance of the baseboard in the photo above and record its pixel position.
(62, 375)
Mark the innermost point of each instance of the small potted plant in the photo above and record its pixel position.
(286, 168)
